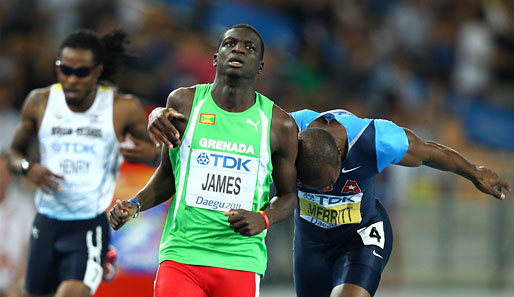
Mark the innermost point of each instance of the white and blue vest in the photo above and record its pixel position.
(82, 147)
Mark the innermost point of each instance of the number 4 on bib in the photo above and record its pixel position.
(373, 234)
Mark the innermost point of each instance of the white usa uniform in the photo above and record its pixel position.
(82, 147)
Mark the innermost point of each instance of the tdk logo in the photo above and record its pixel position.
(202, 159)
(227, 162)
(77, 148)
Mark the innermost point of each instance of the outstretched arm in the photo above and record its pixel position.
(441, 157)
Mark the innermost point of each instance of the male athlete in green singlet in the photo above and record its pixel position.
(235, 143)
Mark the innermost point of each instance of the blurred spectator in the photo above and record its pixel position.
(16, 209)
(410, 21)
(475, 49)
(404, 60)
(9, 117)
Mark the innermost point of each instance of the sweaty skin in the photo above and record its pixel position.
(238, 62)
(431, 154)
(419, 153)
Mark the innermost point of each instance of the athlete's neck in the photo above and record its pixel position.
(84, 104)
(233, 94)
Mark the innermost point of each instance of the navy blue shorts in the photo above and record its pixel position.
(326, 258)
(66, 250)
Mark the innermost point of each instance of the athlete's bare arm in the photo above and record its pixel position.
(159, 188)
(31, 116)
(161, 129)
(441, 157)
(130, 126)
(161, 185)
(284, 148)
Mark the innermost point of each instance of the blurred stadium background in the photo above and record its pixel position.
(443, 68)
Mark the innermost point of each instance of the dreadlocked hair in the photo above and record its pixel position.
(115, 51)
(108, 50)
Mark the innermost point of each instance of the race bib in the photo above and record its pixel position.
(329, 211)
(373, 234)
(221, 181)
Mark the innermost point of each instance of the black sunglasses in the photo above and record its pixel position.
(79, 72)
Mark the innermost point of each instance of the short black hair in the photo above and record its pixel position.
(316, 148)
(108, 50)
(246, 26)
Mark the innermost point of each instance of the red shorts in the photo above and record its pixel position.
(180, 280)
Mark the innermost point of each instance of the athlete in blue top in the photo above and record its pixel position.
(343, 237)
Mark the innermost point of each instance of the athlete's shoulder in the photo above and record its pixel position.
(304, 117)
(282, 116)
(304, 113)
(284, 134)
(37, 98)
(385, 123)
(122, 98)
(126, 104)
(39, 93)
(282, 122)
(181, 96)
(354, 125)
(181, 99)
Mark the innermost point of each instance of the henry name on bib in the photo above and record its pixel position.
(222, 180)
(74, 156)
(329, 211)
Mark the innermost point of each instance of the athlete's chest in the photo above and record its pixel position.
(62, 125)
(227, 158)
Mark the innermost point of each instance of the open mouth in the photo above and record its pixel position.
(235, 62)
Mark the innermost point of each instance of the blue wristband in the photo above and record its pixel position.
(138, 207)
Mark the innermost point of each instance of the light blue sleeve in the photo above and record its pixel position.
(304, 117)
(391, 143)
(353, 125)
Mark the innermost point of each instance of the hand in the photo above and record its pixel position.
(121, 213)
(246, 223)
(138, 151)
(161, 129)
(490, 183)
(46, 180)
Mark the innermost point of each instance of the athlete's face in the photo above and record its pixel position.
(239, 53)
(78, 74)
(321, 180)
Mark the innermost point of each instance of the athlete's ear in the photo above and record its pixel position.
(261, 67)
(341, 150)
(215, 60)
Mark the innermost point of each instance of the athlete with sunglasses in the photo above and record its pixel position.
(81, 124)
